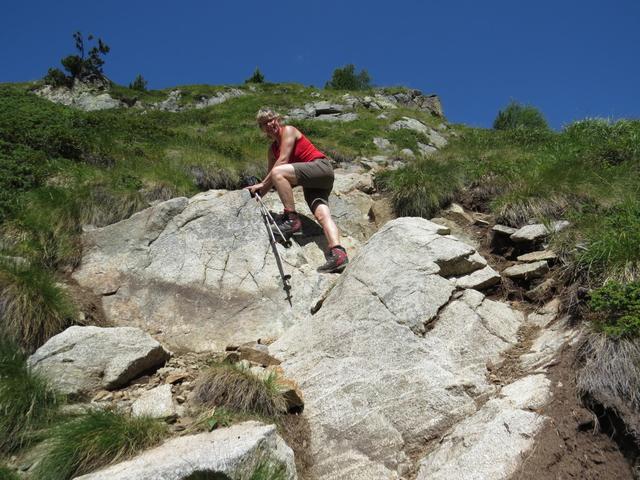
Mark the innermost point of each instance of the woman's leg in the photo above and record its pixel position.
(329, 227)
(284, 178)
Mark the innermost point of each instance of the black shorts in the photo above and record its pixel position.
(316, 179)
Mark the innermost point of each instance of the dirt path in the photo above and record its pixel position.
(570, 445)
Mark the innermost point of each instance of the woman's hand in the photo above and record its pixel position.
(257, 188)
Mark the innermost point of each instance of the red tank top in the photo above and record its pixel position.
(303, 151)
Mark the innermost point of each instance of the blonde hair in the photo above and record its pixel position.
(265, 115)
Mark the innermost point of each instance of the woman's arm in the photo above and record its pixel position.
(287, 142)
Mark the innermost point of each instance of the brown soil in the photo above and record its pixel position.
(571, 445)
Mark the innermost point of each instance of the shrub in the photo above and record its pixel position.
(95, 439)
(239, 390)
(27, 402)
(516, 116)
(345, 78)
(257, 77)
(56, 78)
(32, 307)
(618, 306)
(139, 83)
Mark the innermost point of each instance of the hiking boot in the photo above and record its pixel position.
(289, 223)
(336, 260)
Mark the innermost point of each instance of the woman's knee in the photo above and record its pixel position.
(278, 172)
(322, 213)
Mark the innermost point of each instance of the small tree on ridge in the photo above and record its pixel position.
(86, 67)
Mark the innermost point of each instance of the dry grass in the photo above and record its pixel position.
(611, 369)
(518, 213)
(237, 389)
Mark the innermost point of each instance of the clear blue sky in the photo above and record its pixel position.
(570, 58)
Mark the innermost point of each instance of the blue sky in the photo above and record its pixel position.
(570, 58)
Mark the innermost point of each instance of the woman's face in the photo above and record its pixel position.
(271, 128)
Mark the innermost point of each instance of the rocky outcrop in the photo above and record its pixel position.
(199, 273)
(435, 139)
(490, 443)
(173, 104)
(82, 96)
(235, 452)
(333, 111)
(395, 322)
(82, 359)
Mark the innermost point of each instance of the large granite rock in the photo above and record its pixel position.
(82, 359)
(229, 453)
(491, 443)
(199, 273)
(396, 355)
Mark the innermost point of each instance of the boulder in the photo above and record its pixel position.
(228, 453)
(537, 232)
(393, 323)
(426, 150)
(338, 117)
(503, 230)
(156, 403)
(480, 279)
(538, 256)
(82, 359)
(410, 124)
(382, 143)
(527, 271)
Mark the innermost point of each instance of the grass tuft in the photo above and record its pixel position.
(95, 439)
(33, 307)
(237, 389)
(613, 239)
(27, 403)
(269, 471)
(610, 370)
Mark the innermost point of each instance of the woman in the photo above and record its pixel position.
(294, 160)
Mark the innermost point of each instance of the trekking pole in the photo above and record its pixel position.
(268, 219)
(267, 213)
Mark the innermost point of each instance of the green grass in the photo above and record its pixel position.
(238, 390)
(27, 403)
(269, 471)
(95, 439)
(7, 474)
(34, 306)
